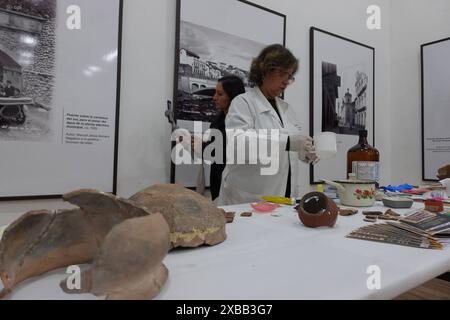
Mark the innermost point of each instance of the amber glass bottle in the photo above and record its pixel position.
(363, 160)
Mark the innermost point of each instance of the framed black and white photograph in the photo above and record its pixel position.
(342, 97)
(210, 46)
(435, 107)
(59, 96)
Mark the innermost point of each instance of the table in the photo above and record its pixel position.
(275, 257)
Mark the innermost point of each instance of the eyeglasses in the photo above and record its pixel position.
(286, 76)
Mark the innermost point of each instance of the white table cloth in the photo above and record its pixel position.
(273, 256)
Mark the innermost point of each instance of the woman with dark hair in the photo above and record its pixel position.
(227, 89)
(258, 111)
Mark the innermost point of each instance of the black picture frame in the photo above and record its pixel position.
(80, 141)
(435, 106)
(227, 8)
(330, 53)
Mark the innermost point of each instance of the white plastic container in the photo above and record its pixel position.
(325, 145)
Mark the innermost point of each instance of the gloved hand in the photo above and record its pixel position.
(311, 158)
(183, 137)
(305, 148)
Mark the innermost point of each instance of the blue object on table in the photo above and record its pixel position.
(398, 188)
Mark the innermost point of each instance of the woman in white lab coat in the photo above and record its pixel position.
(250, 175)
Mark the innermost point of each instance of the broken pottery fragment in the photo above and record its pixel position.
(246, 214)
(41, 241)
(387, 217)
(347, 212)
(129, 263)
(193, 220)
(229, 216)
(371, 213)
(372, 219)
(390, 212)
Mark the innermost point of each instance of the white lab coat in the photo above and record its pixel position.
(243, 183)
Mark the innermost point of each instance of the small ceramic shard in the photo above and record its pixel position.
(391, 212)
(347, 212)
(246, 214)
(229, 216)
(387, 217)
(372, 213)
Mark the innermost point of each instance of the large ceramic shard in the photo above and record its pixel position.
(41, 241)
(129, 264)
(103, 210)
(193, 219)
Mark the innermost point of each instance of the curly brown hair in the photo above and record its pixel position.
(270, 58)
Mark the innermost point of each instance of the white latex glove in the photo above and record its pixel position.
(305, 148)
(312, 158)
(182, 136)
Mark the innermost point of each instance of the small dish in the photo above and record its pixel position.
(397, 202)
(263, 206)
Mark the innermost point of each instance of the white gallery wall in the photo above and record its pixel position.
(417, 22)
(148, 48)
(148, 69)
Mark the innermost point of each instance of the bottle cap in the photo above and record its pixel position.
(363, 133)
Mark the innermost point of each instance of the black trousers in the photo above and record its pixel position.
(216, 179)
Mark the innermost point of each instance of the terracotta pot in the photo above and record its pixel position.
(317, 210)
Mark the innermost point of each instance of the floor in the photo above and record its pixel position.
(436, 289)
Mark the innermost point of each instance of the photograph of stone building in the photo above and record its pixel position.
(206, 55)
(343, 113)
(27, 63)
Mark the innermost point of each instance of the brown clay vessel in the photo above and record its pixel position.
(317, 210)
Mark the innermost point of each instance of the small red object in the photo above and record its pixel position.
(434, 205)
